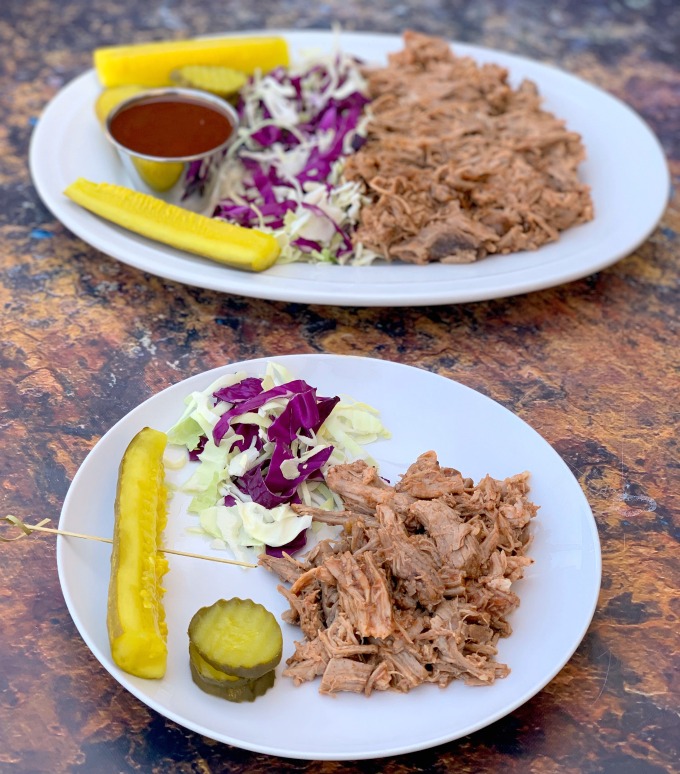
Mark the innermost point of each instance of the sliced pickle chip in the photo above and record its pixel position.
(237, 636)
(248, 690)
(209, 674)
(221, 81)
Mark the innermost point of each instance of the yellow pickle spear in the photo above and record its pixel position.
(150, 64)
(233, 245)
(135, 616)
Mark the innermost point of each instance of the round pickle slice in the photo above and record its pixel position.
(216, 79)
(209, 674)
(238, 637)
(246, 690)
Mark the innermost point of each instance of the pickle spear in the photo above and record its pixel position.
(243, 248)
(135, 615)
(150, 64)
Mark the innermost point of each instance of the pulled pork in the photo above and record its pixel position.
(416, 589)
(458, 164)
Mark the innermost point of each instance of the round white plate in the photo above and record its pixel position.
(626, 169)
(424, 411)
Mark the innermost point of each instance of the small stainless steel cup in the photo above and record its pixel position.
(187, 181)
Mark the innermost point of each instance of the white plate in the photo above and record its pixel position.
(424, 411)
(625, 167)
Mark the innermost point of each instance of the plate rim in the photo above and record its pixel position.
(207, 376)
(148, 256)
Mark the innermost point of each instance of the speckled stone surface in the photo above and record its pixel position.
(591, 365)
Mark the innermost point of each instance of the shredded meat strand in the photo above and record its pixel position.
(458, 165)
(417, 586)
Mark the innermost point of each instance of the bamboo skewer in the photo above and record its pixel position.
(27, 529)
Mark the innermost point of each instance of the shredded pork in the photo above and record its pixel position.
(417, 588)
(459, 165)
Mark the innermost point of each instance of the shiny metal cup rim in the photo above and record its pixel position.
(170, 91)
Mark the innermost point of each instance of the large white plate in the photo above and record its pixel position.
(424, 411)
(625, 167)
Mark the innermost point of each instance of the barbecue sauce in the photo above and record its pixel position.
(170, 126)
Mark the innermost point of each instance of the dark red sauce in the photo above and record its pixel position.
(170, 126)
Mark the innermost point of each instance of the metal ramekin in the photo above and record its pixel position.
(187, 181)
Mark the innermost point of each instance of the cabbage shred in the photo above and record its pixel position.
(283, 173)
(258, 445)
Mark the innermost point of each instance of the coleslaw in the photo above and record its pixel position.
(283, 173)
(257, 445)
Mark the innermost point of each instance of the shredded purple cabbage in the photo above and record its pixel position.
(250, 436)
(246, 388)
(295, 545)
(255, 402)
(304, 413)
(347, 242)
(254, 483)
(194, 454)
(274, 478)
(265, 200)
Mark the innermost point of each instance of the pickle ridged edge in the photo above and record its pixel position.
(143, 214)
(150, 64)
(135, 616)
(237, 636)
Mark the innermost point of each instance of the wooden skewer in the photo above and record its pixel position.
(28, 528)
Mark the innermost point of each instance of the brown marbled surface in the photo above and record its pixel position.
(592, 365)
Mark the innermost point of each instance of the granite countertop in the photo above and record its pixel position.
(591, 365)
